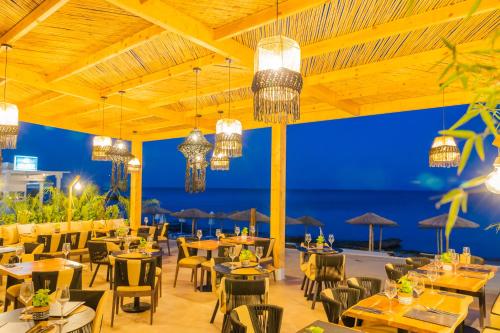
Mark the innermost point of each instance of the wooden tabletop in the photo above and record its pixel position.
(458, 304)
(328, 328)
(207, 245)
(75, 321)
(249, 240)
(24, 270)
(118, 240)
(238, 270)
(464, 280)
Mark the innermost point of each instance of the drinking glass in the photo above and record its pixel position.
(237, 231)
(217, 234)
(62, 299)
(46, 284)
(466, 255)
(331, 239)
(419, 286)
(259, 252)
(466, 250)
(437, 261)
(308, 239)
(26, 292)
(432, 275)
(252, 230)
(390, 291)
(66, 248)
(232, 255)
(19, 253)
(454, 262)
(127, 243)
(199, 234)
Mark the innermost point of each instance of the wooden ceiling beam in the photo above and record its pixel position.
(106, 53)
(30, 21)
(407, 24)
(263, 17)
(327, 95)
(160, 13)
(39, 100)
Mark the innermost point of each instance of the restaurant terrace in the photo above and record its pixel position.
(134, 71)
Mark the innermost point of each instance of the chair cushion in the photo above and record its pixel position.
(208, 264)
(44, 229)
(25, 229)
(192, 261)
(10, 234)
(491, 330)
(132, 289)
(14, 290)
(162, 238)
(99, 225)
(495, 313)
(86, 225)
(27, 238)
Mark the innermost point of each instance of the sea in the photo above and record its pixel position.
(334, 207)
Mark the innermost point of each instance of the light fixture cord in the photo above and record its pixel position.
(121, 112)
(229, 69)
(443, 111)
(5, 78)
(196, 100)
(103, 102)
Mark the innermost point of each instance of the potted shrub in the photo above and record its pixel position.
(446, 260)
(41, 303)
(245, 256)
(405, 291)
(244, 233)
(320, 241)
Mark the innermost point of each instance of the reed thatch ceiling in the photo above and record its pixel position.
(360, 57)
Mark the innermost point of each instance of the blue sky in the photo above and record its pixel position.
(383, 152)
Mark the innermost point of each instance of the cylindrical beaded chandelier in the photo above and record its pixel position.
(195, 148)
(277, 81)
(134, 165)
(219, 161)
(101, 144)
(228, 131)
(9, 115)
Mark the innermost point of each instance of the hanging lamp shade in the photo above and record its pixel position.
(228, 137)
(277, 81)
(195, 148)
(134, 165)
(219, 161)
(119, 153)
(444, 153)
(9, 125)
(100, 148)
(493, 179)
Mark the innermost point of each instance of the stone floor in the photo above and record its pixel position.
(182, 310)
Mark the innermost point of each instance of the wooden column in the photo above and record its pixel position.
(136, 189)
(278, 196)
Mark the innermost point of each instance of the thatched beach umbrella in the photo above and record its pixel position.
(310, 221)
(439, 223)
(153, 210)
(193, 214)
(372, 219)
(251, 215)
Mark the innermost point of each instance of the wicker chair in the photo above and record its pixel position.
(99, 255)
(95, 299)
(475, 260)
(134, 278)
(207, 265)
(71, 277)
(397, 271)
(260, 318)
(163, 236)
(326, 271)
(367, 286)
(337, 300)
(234, 293)
(268, 250)
(417, 262)
(187, 258)
(495, 313)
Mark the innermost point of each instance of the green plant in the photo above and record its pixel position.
(244, 232)
(142, 243)
(315, 329)
(405, 285)
(41, 298)
(446, 258)
(245, 255)
(476, 73)
(320, 239)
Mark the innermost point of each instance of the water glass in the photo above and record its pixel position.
(308, 239)
(466, 255)
(62, 299)
(26, 292)
(19, 253)
(232, 255)
(199, 234)
(218, 232)
(437, 261)
(66, 248)
(419, 286)
(432, 275)
(455, 259)
(390, 291)
(259, 252)
(331, 239)
(252, 230)
(237, 231)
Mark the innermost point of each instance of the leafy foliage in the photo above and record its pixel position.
(405, 285)
(41, 298)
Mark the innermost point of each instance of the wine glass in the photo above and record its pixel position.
(454, 262)
(26, 292)
(66, 248)
(237, 231)
(127, 243)
(62, 299)
(252, 230)
(217, 234)
(259, 252)
(466, 255)
(331, 239)
(432, 275)
(232, 255)
(418, 286)
(308, 239)
(199, 234)
(390, 291)
(19, 253)
(437, 261)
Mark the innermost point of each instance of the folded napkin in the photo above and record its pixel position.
(443, 319)
(475, 269)
(367, 309)
(424, 271)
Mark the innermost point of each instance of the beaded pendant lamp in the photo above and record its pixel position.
(134, 165)
(444, 152)
(228, 131)
(493, 179)
(9, 115)
(277, 82)
(219, 161)
(101, 144)
(195, 148)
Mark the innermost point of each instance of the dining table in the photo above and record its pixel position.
(328, 328)
(25, 270)
(236, 270)
(79, 321)
(432, 312)
(208, 246)
(242, 240)
(467, 279)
